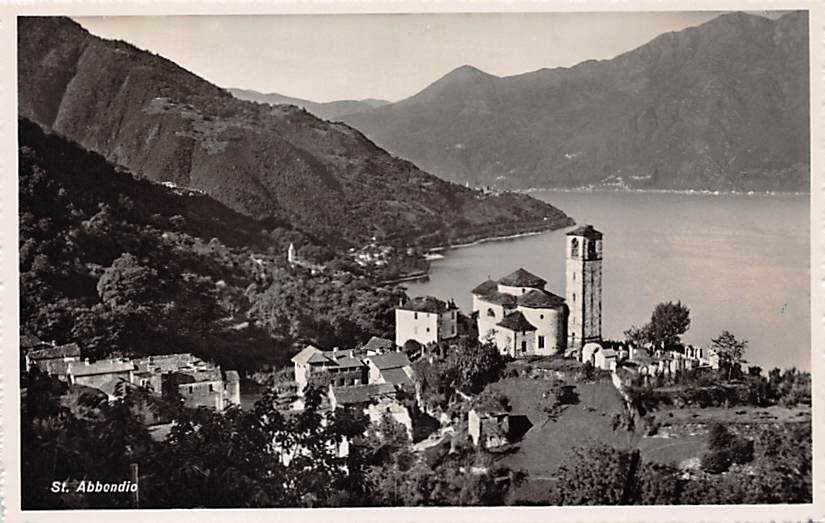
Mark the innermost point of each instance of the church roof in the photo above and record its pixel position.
(587, 231)
(540, 299)
(485, 287)
(522, 278)
(515, 321)
(499, 298)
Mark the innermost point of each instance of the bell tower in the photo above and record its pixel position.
(584, 286)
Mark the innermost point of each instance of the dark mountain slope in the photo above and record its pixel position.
(720, 106)
(325, 110)
(164, 123)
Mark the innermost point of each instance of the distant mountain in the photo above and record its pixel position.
(324, 110)
(164, 123)
(721, 106)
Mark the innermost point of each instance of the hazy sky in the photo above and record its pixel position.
(334, 57)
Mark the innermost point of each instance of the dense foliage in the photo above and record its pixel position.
(257, 458)
(779, 471)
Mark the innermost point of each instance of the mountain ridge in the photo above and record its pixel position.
(720, 106)
(324, 110)
(164, 123)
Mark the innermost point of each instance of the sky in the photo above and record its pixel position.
(386, 56)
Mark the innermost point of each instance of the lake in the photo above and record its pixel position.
(740, 262)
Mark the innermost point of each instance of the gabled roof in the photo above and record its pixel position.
(522, 278)
(100, 367)
(310, 354)
(390, 360)
(586, 231)
(62, 351)
(485, 287)
(540, 299)
(515, 321)
(426, 304)
(379, 344)
(361, 393)
(397, 376)
(349, 362)
(499, 298)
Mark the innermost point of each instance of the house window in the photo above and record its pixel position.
(211, 388)
(491, 312)
(541, 342)
(574, 296)
(523, 346)
(428, 329)
(415, 315)
(541, 316)
(190, 389)
(574, 247)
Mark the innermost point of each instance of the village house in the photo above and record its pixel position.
(426, 320)
(52, 359)
(314, 366)
(390, 367)
(199, 383)
(109, 376)
(488, 429)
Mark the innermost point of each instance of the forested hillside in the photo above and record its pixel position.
(124, 266)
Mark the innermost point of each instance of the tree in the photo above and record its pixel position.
(730, 351)
(599, 475)
(668, 323)
(472, 366)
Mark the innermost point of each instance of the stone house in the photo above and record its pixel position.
(53, 359)
(426, 320)
(104, 375)
(488, 429)
(313, 366)
(390, 367)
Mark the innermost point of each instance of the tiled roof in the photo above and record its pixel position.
(309, 355)
(499, 298)
(397, 376)
(426, 304)
(522, 278)
(539, 299)
(61, 351)
(515, 321)
(587, 231)
(100, 367)
(361, 393)
(379, 344)
(348, 362)
(485, 287)
(232, 375)
(390, 360)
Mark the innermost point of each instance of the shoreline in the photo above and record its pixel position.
(442, 248)
(691, 192)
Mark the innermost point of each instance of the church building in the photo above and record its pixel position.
(523, 319)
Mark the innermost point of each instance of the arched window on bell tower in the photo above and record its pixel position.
(574, 247)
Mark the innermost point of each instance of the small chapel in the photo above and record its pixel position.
(522, 318)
